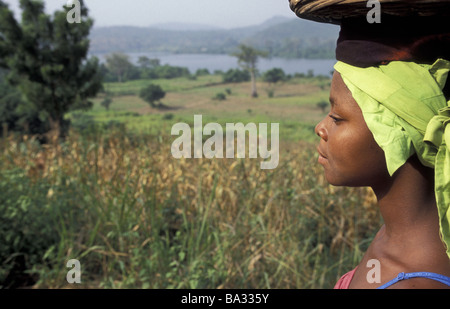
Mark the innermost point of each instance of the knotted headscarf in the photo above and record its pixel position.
(405, 109)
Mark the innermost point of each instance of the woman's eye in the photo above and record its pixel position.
(335, 119)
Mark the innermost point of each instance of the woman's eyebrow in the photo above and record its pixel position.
(332, 101)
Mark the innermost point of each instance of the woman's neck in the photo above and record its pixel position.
(407, 202)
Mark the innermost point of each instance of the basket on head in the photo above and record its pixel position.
(333, 11)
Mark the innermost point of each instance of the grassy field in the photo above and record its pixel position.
(293, 105)
(115, 199)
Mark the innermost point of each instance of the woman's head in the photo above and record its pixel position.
(380, 117)
(348, 152)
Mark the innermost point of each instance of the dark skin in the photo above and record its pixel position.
(409, 240)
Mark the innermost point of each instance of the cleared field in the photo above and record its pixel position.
(293, 106)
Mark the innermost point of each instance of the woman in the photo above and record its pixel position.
(388, 129)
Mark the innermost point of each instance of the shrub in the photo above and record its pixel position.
(220, 96)
(201, 72)
(168, 72)
(270, 93)
(236, 76)
(152, 94)
(274, 76)
(168, 116)
(106, 102)
(31, 215)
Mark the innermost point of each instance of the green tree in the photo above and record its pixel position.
(202, 72)
(272, 77)
(47, 60)
(119, 64)
(152, 94)
(168, 72)
(106, 102)
(235, 76)
(248, 58)
(146, 63)
(15, 114)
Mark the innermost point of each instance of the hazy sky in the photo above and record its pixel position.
(220, 13)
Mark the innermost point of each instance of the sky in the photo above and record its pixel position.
(220, 13)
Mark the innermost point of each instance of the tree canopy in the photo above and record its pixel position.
(247, 58)
(274, 76)
(119, 64)
(46, 59)
(152, 94)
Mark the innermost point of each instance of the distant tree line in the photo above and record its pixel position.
(119, 68)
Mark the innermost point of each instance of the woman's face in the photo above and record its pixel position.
(347, 150)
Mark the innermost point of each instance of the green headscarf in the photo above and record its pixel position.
(406, 111)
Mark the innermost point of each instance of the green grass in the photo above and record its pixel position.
(171, 85)
(293, 106)
(112, 196)
(137, 218)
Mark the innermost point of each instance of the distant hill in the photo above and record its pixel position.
(280, 36)
(184, 27)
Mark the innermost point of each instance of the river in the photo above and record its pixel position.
(214, 62)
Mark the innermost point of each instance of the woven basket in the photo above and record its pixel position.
(333, 11)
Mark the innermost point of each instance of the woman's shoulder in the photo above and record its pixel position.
(411, 270)
(382, 275)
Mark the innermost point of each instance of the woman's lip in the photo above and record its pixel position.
(321, 153)
(322, 159)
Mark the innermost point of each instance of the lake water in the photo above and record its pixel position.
(214, 62)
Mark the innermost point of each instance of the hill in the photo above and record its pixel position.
(280, 36)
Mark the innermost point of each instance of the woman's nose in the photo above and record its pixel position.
(321, 130)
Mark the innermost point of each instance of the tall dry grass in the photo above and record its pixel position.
(137, 218)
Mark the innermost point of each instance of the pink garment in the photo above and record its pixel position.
(345, 280)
